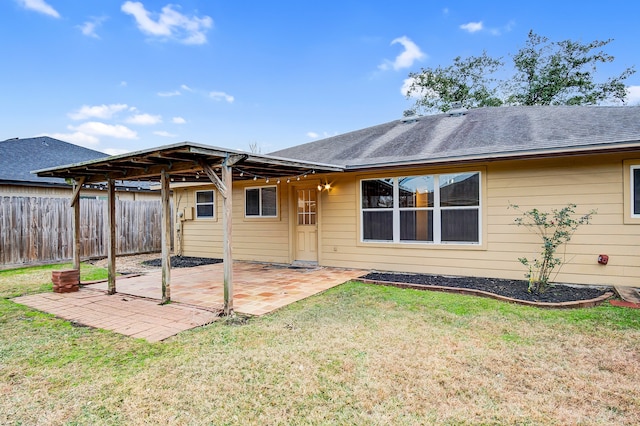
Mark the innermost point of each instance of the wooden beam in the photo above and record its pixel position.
(222, 189)
(166, 237)
(227, 225)
(77, 185)
(151, 172)
(111, 241)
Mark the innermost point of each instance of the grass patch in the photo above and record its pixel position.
(356, 354)
(37, 279)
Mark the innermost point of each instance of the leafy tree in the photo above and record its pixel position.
(467, 82)
(544, 73)
(562, 73)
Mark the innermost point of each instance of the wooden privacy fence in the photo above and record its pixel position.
(35, 230)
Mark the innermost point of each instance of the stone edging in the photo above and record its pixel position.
(574, 304)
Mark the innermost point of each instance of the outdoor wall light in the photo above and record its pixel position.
(326, 185)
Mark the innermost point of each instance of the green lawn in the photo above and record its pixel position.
(35, 279)
(356, 354)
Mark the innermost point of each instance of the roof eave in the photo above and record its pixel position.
(506, 155)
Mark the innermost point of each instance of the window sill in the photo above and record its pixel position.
(423, 246)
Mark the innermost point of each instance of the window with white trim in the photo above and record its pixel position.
(635, 191)
(205, 204)
(437, 209)
(261, 202)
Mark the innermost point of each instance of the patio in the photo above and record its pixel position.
(259, 288)
(196, 293)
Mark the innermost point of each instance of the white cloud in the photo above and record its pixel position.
(101, 129)
(405, 59)
(633, 95)
(97, 111)
(164, 134)
(76, 138)
(169, 24)
(472, 27)
(312, 135)
(185, 87)
(169, 94)
(144, 119)
(89, 27)
(39, 6)
(219, 96)
(123, 84)
(178, 120)
(115, 151)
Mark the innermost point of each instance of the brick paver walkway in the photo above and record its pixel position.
(122, 314)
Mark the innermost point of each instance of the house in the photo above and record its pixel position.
(18, 157)
(426, 194)
(431, 194)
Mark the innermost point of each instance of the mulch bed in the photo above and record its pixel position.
(183, 261)
(513, 289)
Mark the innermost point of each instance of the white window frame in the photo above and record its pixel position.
(260, 205)
(632, 192)
(212, 203)
(436, 211)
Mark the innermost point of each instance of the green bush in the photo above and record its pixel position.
(554, 228)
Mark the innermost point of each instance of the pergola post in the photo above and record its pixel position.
(225, 188)
(227, 225)
(75, 203)
(111, 240)
(166, 236)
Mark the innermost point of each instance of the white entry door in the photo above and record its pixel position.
(306, 229)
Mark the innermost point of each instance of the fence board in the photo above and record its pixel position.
(40, 230)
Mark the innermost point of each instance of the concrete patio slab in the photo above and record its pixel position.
(259, 288)
(128, 315)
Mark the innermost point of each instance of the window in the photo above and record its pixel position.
(205, 204)
(635, 191)
(261, 202)
(426, 209)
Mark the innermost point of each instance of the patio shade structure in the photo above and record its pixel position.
(182, 162)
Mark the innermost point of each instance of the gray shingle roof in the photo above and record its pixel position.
(18, 157)
(480, 133)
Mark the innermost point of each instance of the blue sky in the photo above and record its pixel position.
(120, 76)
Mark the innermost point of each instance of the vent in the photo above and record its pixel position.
(456, 110)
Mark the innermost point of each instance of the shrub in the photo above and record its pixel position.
(554, 228)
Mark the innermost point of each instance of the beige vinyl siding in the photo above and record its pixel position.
(254, 239)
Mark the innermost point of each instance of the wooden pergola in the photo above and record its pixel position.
(182, 162)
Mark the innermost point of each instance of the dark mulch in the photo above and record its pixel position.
(183, 261)
(515, 289)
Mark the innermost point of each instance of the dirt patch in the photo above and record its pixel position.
(133, 264)
(183, 261)
(515, 289)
